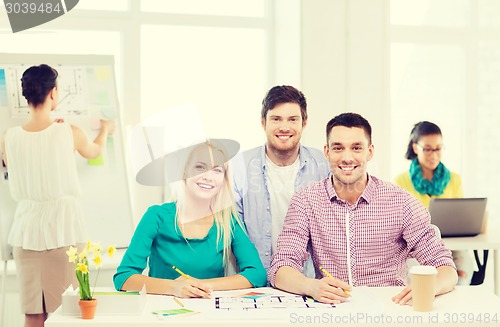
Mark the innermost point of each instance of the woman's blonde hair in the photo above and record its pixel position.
(222, 204)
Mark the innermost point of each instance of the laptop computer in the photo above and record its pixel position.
(457, 217)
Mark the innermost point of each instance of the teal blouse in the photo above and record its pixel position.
(158, 239)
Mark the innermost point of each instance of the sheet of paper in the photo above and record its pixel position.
(267, 301)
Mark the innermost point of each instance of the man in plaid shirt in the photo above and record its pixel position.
(358, 228)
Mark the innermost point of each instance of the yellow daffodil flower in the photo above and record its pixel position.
(72, 253)
(111, 250)
(91, 252)
(82, 255)
(97, 261)
(83, 268)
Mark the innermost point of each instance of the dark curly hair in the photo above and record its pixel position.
(37, 81)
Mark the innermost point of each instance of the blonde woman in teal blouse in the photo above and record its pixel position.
(196, 233)
(429, 178)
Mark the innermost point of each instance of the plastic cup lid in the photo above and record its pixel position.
(423, 270)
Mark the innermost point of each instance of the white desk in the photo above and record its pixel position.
(488, 241)
(466, 305)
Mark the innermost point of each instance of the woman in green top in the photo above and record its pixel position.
(196, 233)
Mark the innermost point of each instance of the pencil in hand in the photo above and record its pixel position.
(180, 272)
(328, 275)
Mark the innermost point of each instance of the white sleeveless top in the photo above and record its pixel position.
(43, 179)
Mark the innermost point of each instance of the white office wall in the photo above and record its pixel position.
(324, 65)
(114, 5)
(238, 8)
(395, 62)
(428, 82)
(402, 61)
(285, 40)
(221, 58)
(219, 69)
(344, 68)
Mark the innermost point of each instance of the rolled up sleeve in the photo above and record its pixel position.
(425, 244)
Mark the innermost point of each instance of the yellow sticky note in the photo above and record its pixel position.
(99, 161)
(103, 73)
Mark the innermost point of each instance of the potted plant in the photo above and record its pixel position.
(91, 252)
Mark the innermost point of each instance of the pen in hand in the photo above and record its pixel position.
(328, 275)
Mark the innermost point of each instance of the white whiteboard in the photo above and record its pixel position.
(87, 92)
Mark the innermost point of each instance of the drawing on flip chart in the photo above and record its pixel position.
(71, 87)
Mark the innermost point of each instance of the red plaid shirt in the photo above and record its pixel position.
(385, 227)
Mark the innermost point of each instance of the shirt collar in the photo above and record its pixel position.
(367, 195)
(302, 156)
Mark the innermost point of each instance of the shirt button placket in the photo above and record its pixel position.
(352, 245)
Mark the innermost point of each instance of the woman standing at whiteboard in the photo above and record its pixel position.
(43, 180)
(429, 178)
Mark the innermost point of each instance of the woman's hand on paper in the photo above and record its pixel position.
(191, 287)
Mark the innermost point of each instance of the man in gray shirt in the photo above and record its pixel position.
(266, 177)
